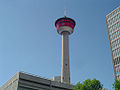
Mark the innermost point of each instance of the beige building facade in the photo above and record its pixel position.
(113, 29)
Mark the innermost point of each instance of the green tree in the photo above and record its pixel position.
(89, 85)
(116, 85)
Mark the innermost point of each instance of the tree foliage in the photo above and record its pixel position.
(89, 85)
(116, 85)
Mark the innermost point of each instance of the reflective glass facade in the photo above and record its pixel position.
(113, 28)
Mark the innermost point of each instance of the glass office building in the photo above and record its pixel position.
(113, 28)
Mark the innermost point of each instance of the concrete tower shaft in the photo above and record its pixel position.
(65, 26)
(65, 72)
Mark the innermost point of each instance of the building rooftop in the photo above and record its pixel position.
(22, 80)
(112, 11)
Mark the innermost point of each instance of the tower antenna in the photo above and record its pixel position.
(65, 12)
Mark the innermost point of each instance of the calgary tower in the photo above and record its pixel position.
(65, 27)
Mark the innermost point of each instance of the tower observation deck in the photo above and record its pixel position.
(65, 27)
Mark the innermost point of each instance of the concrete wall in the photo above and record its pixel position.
(11, 84)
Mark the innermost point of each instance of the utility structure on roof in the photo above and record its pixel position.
(65, 27)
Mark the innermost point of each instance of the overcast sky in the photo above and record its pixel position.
(29, 41)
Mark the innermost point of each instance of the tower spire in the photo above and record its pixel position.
(65, 12)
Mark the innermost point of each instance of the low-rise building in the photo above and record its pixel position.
(24, 81)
